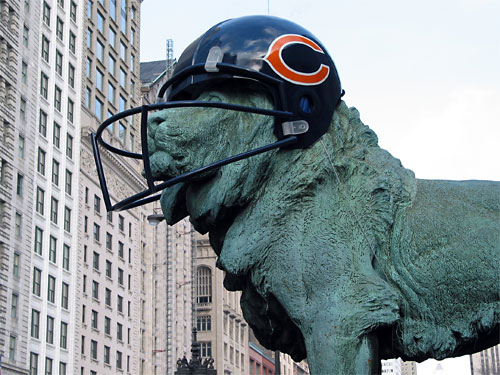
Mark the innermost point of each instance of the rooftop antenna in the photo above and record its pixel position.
(170, 54)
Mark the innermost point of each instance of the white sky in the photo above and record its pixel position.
(425, 75)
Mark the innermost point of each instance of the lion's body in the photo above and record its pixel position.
(340, 252)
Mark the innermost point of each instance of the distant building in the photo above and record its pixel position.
(222, 330)
(409, 368)
(391, 366)
(486, 362)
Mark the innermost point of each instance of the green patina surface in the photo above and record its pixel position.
(341, 254)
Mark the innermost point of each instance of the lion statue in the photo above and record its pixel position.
(341, 254)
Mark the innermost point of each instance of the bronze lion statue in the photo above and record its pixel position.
(343, 256)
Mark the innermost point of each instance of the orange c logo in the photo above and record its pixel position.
(275, 61)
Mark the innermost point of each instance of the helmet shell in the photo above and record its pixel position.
(272, 47)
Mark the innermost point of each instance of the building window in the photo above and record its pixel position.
(48, 366)
(59, 28)
(71, 76)
(121, 223)
(16, 264)
(59, 62)
(52, 249)
(22, 110)
(111, 65)
(109, 241)
(123, 52)
(40, 200)
(12, 347)
(64, 335)
(95, 261)
(89, 9)
(119, 331)
(72, 11)
(18, 225)
(107, 325)
(13, 306)
(112, 37)
(98, 108)
(124, 17)
(111, 93)
(97, 230)
(37, 279)
(35, 324)
(120, 249)
(54, 208)
(100, 51)
(38, 240)
(69, 146)
(19, 188)
(3, 167)
(120, 276)
(119, 304)
(204, 323)
(108, 268)
(95, 290)
(56, 136)
(112, 9)
(93, 350)
(41, 162)
(45, 48)
(50, 330)
(94, 319)
(99, 77)
(107, 297)
(204, 285)
(71, 109)
(44, 85)
(123, 78)
(97, 203)
(51, 289)
(33, 363)
(42, 126)
(68, 182)
(46, 13)
(67, 219)
(100, 22)
(118, 359)
(65, 261)
(206, 349)
(106, 354)
(55, 172)
(24, 72)
(64, 296)
(72, 42)
(89, 68)
(21, 147)
(26, 36)
(62, 365)
(57, 98)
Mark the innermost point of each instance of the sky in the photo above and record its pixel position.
(425, 75)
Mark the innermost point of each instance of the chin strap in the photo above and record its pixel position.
(351, 209)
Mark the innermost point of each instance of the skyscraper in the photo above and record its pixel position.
(19, 64)
(110, 289)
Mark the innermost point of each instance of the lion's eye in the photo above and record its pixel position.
(210, 97)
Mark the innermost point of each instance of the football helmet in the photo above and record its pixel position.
(279, 55)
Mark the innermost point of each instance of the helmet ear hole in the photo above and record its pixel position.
(306, 104)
